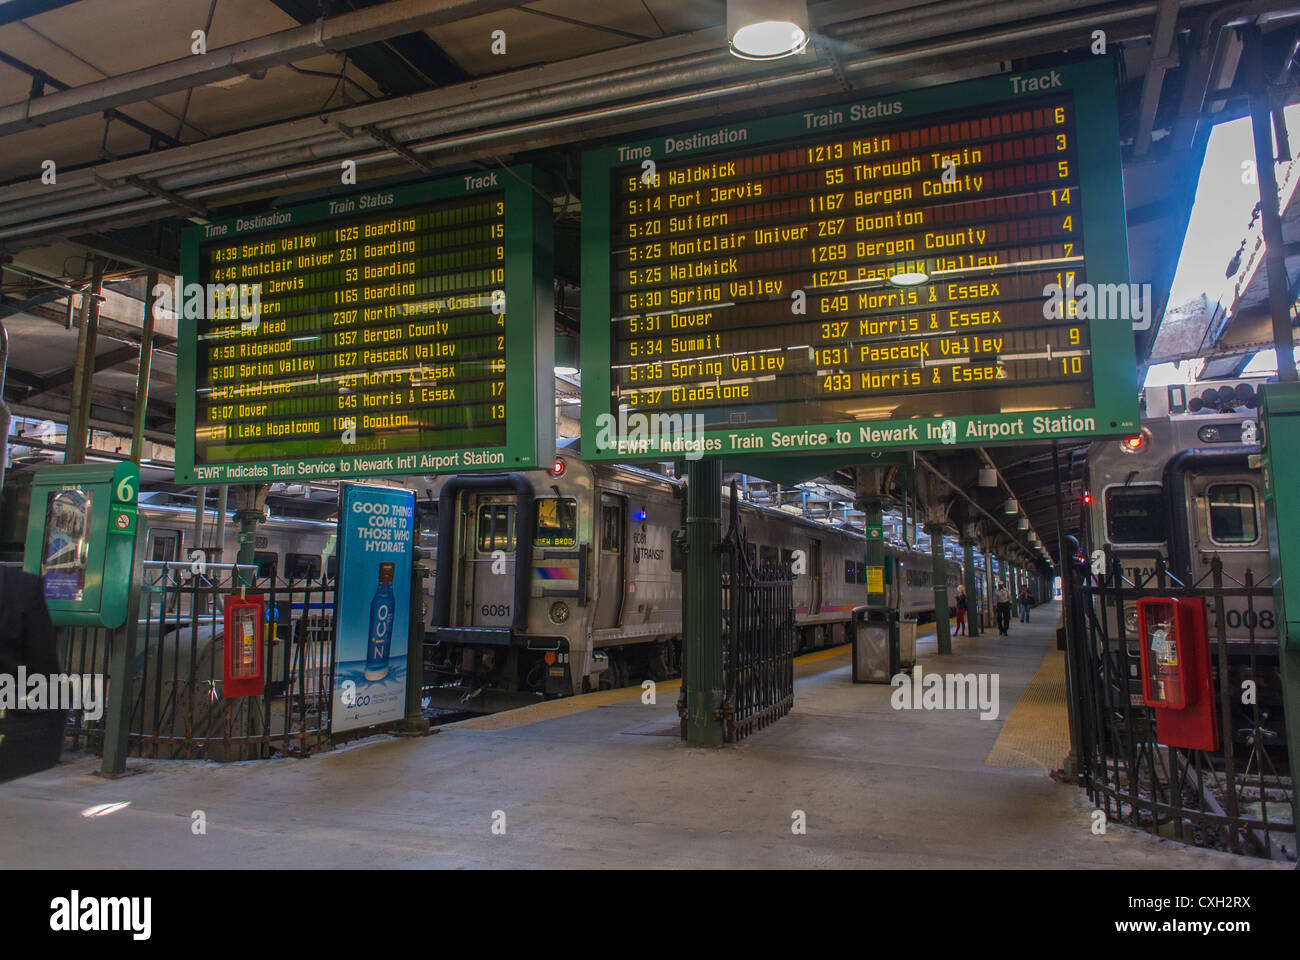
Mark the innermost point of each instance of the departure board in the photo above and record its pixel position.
(403, 330)
(863, 276)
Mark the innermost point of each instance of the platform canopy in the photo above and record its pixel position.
(149, 130)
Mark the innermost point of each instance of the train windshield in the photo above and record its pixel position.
(1135, 514)
(1233, 518)
(557, 522)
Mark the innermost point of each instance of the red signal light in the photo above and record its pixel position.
(558, 468)
(1087, 497)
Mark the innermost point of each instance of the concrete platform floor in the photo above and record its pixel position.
(596, 782)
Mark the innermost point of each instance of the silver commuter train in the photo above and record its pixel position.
(599, 603)
(1189, 489)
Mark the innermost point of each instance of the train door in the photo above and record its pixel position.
(815, 576)
(487, 574)
(1229, 522)
(610, 561)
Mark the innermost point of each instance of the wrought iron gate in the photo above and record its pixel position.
(1238, 798)
(758, 641)
(178, 711)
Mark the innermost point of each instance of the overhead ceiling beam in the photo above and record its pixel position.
(252, 57)
(15, 10)
(103, 361)
(400, 65)
(579, 91)
(10, 307)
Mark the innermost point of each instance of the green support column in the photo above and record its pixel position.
(1279, 422)
(973, 602)
(83, 373)
(120, 694)
(703, 623)
(988, 585)
(873, 508)
(942, 628)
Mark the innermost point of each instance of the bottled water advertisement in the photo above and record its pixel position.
(372, 606)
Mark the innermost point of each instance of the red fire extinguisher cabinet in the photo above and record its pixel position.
(1175, 664)
(243, 673)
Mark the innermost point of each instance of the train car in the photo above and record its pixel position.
(554, 583)
(1186, 490)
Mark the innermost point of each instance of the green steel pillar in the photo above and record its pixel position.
(973, 603)
(250, 506)
(874, 509)
(1279, 421)
(703, 624)
(989, 608)
(942, 628)
(83, 373)
(120, 695)
(142, 376)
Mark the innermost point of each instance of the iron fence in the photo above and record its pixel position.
(758, 641)
(179, 710)
(1237, 798)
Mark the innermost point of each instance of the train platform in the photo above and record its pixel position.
(603, 781)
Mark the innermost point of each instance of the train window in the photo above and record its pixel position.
(267, 565)
(496, 527)
(557, 522)
(166, 545)
(850, 572)
(767, 555)
(332, 566)
(302, 566)
(787, 559)
(611, 527)
(1135, 514)
(1233, 518)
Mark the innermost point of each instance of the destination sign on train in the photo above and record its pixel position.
(944, 266)
(398, 331)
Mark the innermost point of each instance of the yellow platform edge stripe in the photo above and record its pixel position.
(1036, 732)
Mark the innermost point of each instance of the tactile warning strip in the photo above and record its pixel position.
(1036, 733)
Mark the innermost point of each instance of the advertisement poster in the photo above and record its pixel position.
(372, 605)
(67, 530)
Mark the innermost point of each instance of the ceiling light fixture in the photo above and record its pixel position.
(766, 29)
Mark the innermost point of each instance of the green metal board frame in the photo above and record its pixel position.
(1114, 374)
(110, 549)
(530, 333)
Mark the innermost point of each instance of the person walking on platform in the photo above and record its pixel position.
(1002, 600)
(1026, 599)
(961, 610)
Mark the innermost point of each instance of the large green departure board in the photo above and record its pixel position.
(403, 330)
(863, 276)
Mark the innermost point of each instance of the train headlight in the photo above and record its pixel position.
(1136, 444)
(559, 612)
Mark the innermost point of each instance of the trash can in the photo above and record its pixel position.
(875, 646)
(906, 644)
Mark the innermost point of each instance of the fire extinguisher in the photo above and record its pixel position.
(1164, 664)
(246, 661)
